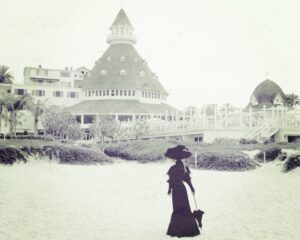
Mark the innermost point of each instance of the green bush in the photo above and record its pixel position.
(271, 154)
(9, 155)
(224, 161)
(292, 163)
(69, 154)
(248, 141)
(65, 154)
(33, 137)
(141, 150)
(226, 141)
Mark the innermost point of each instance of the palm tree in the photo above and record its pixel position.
(291, 98)
(37, 110)
(14, 104)
(5, 75)
(2, 104)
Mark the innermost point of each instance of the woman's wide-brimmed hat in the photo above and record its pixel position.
(178, 152)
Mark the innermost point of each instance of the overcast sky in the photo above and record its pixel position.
(202, 51)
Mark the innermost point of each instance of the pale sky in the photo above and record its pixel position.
(203, 51)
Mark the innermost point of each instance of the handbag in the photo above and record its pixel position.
(198, 214)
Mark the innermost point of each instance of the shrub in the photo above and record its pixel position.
(292, 163)
(282, 156)
(9, 155)
(143, 151)
(248, 141)
(224, 161)
(69, 154)
(226, 141)
(271, 154)
(33, 137)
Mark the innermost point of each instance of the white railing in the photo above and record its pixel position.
(261, 124)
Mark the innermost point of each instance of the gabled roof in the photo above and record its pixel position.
(133, 65)
(119, 106)
(121, 19)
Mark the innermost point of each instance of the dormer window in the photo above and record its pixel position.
(103, 73)
(122, 59)
(142, 74)
(278, 100)
(108, 59)
(123, 72)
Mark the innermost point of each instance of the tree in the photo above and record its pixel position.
(140, 128)
(5, 75)
(60, 123)
(13, 105)
(291, 98)
(37, 109)
(2, 105)
(104, 126)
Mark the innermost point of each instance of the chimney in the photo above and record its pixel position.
(66, 68)
(40, 66)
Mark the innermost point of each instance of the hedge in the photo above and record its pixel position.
(223, 161)
(271, 154)
(65, 154)
(292, 163)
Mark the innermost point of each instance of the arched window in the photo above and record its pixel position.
(103, 73)
(123, 72)
(122, 59)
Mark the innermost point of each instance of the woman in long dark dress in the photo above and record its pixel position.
(183, 223)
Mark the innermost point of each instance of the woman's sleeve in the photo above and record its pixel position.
(187, 177)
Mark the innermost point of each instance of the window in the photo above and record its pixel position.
(103, 73)
(133, 93)
(122, 59)
(38, 93)
(152, 95)
(73, 95)
(129, 92)
(96, 92)
(20, 91)
(107, 92)
(142, 74)
(100, 92)
(143, 95)
(117, 92)
(88, 119)
(89, 93)
(78, 118)
(123, 72)
(104, 92)
(112, 93)
(121, 92)
(64, 74)
(125, 92)
(58, 93)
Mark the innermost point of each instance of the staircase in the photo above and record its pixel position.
(265, 129)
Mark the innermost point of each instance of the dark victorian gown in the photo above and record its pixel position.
(182, 223)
